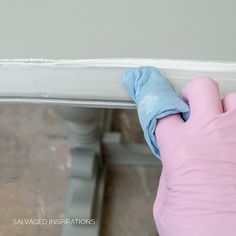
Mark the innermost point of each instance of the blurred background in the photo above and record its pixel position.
(34, 167)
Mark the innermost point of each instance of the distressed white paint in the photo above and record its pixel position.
(97, 82)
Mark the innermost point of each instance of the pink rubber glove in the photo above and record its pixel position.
(197, 190)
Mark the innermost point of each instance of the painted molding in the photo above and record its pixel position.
(96, 82)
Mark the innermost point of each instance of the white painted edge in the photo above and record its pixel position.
(96, 82)
(189, 65)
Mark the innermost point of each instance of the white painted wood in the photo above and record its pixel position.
(96, 83)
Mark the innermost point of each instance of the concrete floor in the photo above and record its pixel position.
(34, 164)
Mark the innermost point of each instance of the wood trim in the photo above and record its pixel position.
(96, 82)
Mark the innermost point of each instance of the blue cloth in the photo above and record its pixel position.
(155, 98)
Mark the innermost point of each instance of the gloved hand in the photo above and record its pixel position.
(197, 189)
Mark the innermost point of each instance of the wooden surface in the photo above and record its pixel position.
(95, 83)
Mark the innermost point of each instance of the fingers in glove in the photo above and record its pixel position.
(229, 102)
(203, 97)
(165, 127)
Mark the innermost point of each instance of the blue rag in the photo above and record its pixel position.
(155, 98)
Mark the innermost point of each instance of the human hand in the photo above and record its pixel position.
(197, 189)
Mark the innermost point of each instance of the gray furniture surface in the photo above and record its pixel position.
(79, 29)
(42, 48)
